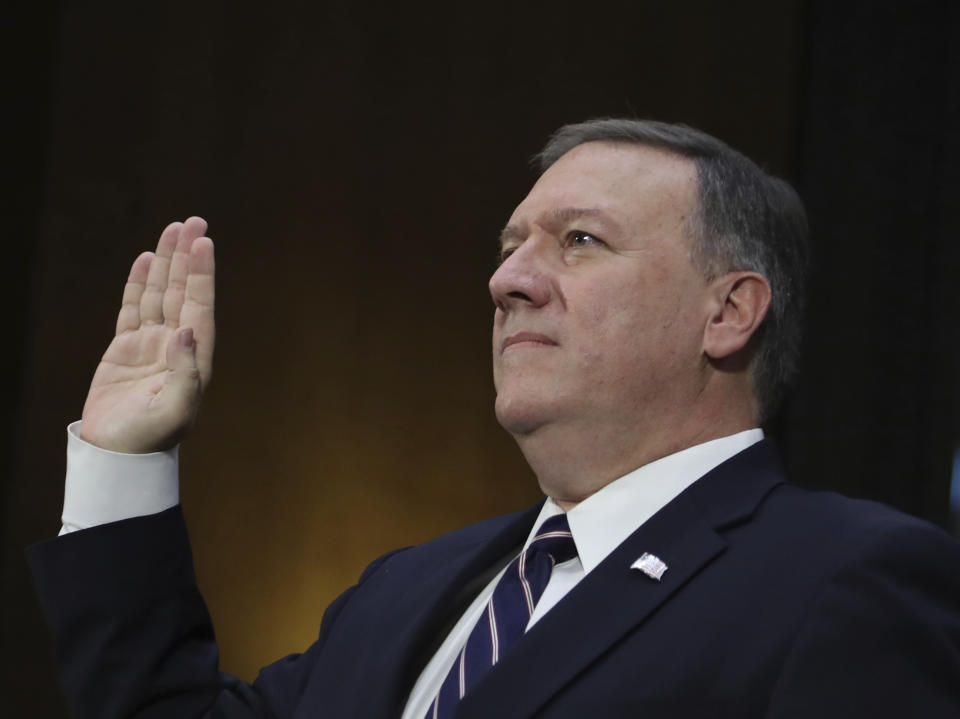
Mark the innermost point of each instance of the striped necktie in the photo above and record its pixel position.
(507, 614)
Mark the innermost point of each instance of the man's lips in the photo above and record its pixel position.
(526, 337)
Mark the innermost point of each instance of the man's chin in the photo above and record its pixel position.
(520, 418)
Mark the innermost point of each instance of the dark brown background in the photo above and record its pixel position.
(356, 161)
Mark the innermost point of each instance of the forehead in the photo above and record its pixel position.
(632, 185)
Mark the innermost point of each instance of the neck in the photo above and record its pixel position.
(572, 462)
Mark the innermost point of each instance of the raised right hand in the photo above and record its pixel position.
(146, 391)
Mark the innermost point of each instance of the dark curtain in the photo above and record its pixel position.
(875, 413)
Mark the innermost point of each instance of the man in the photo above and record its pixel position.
(646, 321)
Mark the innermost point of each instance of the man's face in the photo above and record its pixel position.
(599, 313)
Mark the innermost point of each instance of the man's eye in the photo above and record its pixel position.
(504, 254)
(582, 239)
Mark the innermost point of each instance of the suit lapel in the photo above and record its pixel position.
(615, 599)
(415, 616)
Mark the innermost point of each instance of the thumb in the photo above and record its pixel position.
(183, 379)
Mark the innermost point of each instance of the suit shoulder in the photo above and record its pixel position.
(503, 531)
(854, 526)
(486, 529)
(880, 634)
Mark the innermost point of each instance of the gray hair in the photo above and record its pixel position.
(746, 220)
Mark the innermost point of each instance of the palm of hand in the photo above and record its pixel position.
(127, 388)
(146, 390)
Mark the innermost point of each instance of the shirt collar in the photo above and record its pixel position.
(607, 517)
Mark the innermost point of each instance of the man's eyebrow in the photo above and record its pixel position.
(510, 232)
(566, 215)
(560, 217)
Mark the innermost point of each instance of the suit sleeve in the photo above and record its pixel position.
(883, 637)
(132, 635)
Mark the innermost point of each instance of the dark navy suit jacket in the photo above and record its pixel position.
(777, 602)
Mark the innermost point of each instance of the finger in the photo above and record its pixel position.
(151, 301)
(197, 310)
(129, 316)
(173, 296)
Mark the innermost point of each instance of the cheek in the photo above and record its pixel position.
(635, 335)
(611, 336)
(621, 318)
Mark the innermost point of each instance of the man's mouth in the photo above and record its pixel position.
(528, 338)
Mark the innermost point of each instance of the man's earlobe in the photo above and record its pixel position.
(740, 302)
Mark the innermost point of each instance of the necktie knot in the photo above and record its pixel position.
(554, 538)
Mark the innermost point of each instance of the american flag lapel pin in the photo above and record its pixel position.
(651, 565)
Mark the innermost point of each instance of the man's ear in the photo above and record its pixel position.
(739, 302)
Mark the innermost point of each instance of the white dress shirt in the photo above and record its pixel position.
(103, 486)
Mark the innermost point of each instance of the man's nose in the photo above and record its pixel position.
(523, 278)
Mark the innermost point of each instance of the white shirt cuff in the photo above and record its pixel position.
(104, 486)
